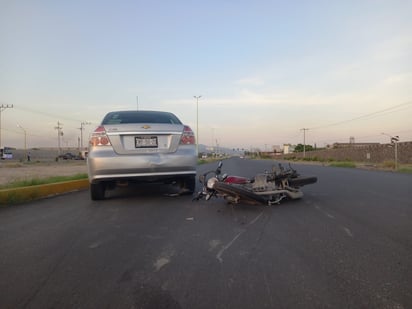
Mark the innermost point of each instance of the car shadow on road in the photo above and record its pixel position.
(145, 190)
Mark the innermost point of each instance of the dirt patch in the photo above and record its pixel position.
(15, 171)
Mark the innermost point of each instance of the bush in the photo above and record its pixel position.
(347, 164)
(405, 169)
(42, 181)
(389, 164)
(266, 156)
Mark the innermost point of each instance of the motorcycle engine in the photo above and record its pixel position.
(260, 184)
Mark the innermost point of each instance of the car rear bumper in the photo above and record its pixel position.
(104, 165)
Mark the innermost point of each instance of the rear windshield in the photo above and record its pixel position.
(140, 117)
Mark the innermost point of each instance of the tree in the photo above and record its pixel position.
(299, 148)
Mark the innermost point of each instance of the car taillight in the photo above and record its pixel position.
(188, 137)
(99, 137)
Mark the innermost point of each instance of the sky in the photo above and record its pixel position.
(265, 70)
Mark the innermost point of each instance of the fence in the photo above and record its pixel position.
(368, 153)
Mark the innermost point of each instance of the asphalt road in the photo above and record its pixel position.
(346, 244)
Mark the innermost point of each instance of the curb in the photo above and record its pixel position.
(25, 194)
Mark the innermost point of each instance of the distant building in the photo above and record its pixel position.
(276, 149)
(288, 148)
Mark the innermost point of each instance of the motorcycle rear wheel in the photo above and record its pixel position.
(302, 181)
(240, 193)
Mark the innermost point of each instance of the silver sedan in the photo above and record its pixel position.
(141, 146)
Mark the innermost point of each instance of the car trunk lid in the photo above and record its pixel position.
(144, 138)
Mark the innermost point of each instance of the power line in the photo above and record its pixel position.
(49, 115)
(370, 115)
(364, 137)
(393, 109)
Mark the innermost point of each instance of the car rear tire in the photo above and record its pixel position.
(97, 191)
(188, 184)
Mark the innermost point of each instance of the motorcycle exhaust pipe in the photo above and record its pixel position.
(291, 194)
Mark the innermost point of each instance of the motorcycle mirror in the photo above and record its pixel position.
(219, 168)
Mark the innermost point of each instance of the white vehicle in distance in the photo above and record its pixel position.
(141, 146)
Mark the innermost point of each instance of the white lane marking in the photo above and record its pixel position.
(224, 248)
(269, 291)
(220, 253)
(96, 245)
(213, 244)
(324, 212)
(257, 218)
(163, 259)
(347, 231)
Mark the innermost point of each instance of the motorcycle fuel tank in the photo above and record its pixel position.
(236, 180)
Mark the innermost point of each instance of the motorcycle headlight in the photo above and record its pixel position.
(211, 182)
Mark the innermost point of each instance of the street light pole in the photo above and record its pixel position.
(304, 141)
(59, 134)
(2, 108)
(25, 139)
(81, 133)
(394, 140)
(396, 153)
(197, 122)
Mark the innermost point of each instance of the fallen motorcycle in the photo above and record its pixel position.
(267, 188)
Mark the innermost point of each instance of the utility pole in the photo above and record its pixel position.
(2, 108)
(394, 141)
(137, 103)
(25, 139)
(197, 122)
(213, 140)
(59, 134)
(304, 141)
(81, 133)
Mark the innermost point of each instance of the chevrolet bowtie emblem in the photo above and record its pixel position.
(146, 127)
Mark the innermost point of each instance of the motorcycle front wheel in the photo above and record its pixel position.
(239, 193)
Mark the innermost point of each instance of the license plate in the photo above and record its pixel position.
(145, 141)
